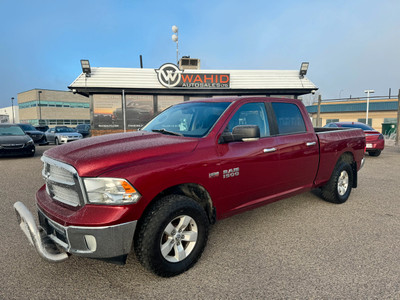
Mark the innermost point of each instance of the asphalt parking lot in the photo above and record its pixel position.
(298, 248)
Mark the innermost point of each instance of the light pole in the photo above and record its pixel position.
(40, 108)
(12, 108)
(340, 93)
(175, 39)
(368, 92)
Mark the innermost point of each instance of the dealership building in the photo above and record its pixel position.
(127, 98)
(120, 99)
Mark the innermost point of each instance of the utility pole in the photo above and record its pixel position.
(12, 107)
(319, 121)
(398, 119)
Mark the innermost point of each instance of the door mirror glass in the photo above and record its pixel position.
(241, 133)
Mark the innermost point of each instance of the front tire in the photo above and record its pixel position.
(172, 236)
(339, 186)
(57, 142)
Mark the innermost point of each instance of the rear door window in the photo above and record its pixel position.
(289, 118)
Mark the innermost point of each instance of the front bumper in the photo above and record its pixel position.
(65, 140)
(54, 242)
(39, 140)
(12, 151)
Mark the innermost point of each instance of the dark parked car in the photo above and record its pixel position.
(42, 128)
(83, 129)
(375, 140)
(14, 141)
(37, 136)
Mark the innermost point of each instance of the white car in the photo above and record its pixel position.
(62, 135)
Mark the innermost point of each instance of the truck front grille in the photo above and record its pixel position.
(63, 183)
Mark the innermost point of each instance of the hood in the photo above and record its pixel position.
(34, 132)
(93, 156)
(68, 133)
(14, 139)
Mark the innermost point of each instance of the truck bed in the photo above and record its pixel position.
(333, 143)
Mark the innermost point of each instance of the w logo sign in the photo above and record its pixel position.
(169, 75)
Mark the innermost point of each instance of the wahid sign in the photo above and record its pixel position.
(170, 76)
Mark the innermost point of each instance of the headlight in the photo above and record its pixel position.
(63, 136)
(112, 191)
(30, 142)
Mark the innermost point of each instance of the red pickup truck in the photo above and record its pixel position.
(159, 189)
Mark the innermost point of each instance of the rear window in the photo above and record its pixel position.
(27, 127)
(289, 118)
(359, 125)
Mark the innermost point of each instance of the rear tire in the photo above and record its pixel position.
(339, 186)
(172, 236)
(374, 152)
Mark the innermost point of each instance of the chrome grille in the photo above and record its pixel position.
(65, 195)
(61, 175)
(63, 183)
(12, 146)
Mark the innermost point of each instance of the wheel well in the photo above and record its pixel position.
(349, 158)
(194, 191)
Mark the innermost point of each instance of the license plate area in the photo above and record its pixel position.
(54, 231)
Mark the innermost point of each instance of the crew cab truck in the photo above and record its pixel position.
(159, 189)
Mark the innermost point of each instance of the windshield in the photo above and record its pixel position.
(27, 127)
(64, 129)
(188, 119)
(11, 130)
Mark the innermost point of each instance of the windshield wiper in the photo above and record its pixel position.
(163, 131)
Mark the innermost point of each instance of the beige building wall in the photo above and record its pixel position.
(52, 112)
(377, 117)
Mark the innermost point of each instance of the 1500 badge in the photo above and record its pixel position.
(231, 173)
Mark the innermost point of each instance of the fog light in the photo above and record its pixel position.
(91, 242)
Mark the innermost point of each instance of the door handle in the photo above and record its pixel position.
(269, 150)
(311, 144)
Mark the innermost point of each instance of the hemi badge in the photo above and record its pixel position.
(213, 175)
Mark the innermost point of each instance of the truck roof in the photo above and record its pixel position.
(243, 98)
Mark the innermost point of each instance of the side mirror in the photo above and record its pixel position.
(241, 133)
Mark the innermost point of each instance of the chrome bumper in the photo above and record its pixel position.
(44, 247)
(94, 242)
(362, 163)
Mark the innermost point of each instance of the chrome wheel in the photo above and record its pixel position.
(343, 183)
(179, 239)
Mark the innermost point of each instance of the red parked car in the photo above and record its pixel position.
(375, 140)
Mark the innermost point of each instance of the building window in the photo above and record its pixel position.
(53, 104)
(165, 101)
(390, 120)
(331, 120)
(363, 121)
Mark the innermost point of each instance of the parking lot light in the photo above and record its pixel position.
(368, 92)
(12, 108)
(86, 67)
(303, 69)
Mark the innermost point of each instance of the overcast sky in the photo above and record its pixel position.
(352, 45)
